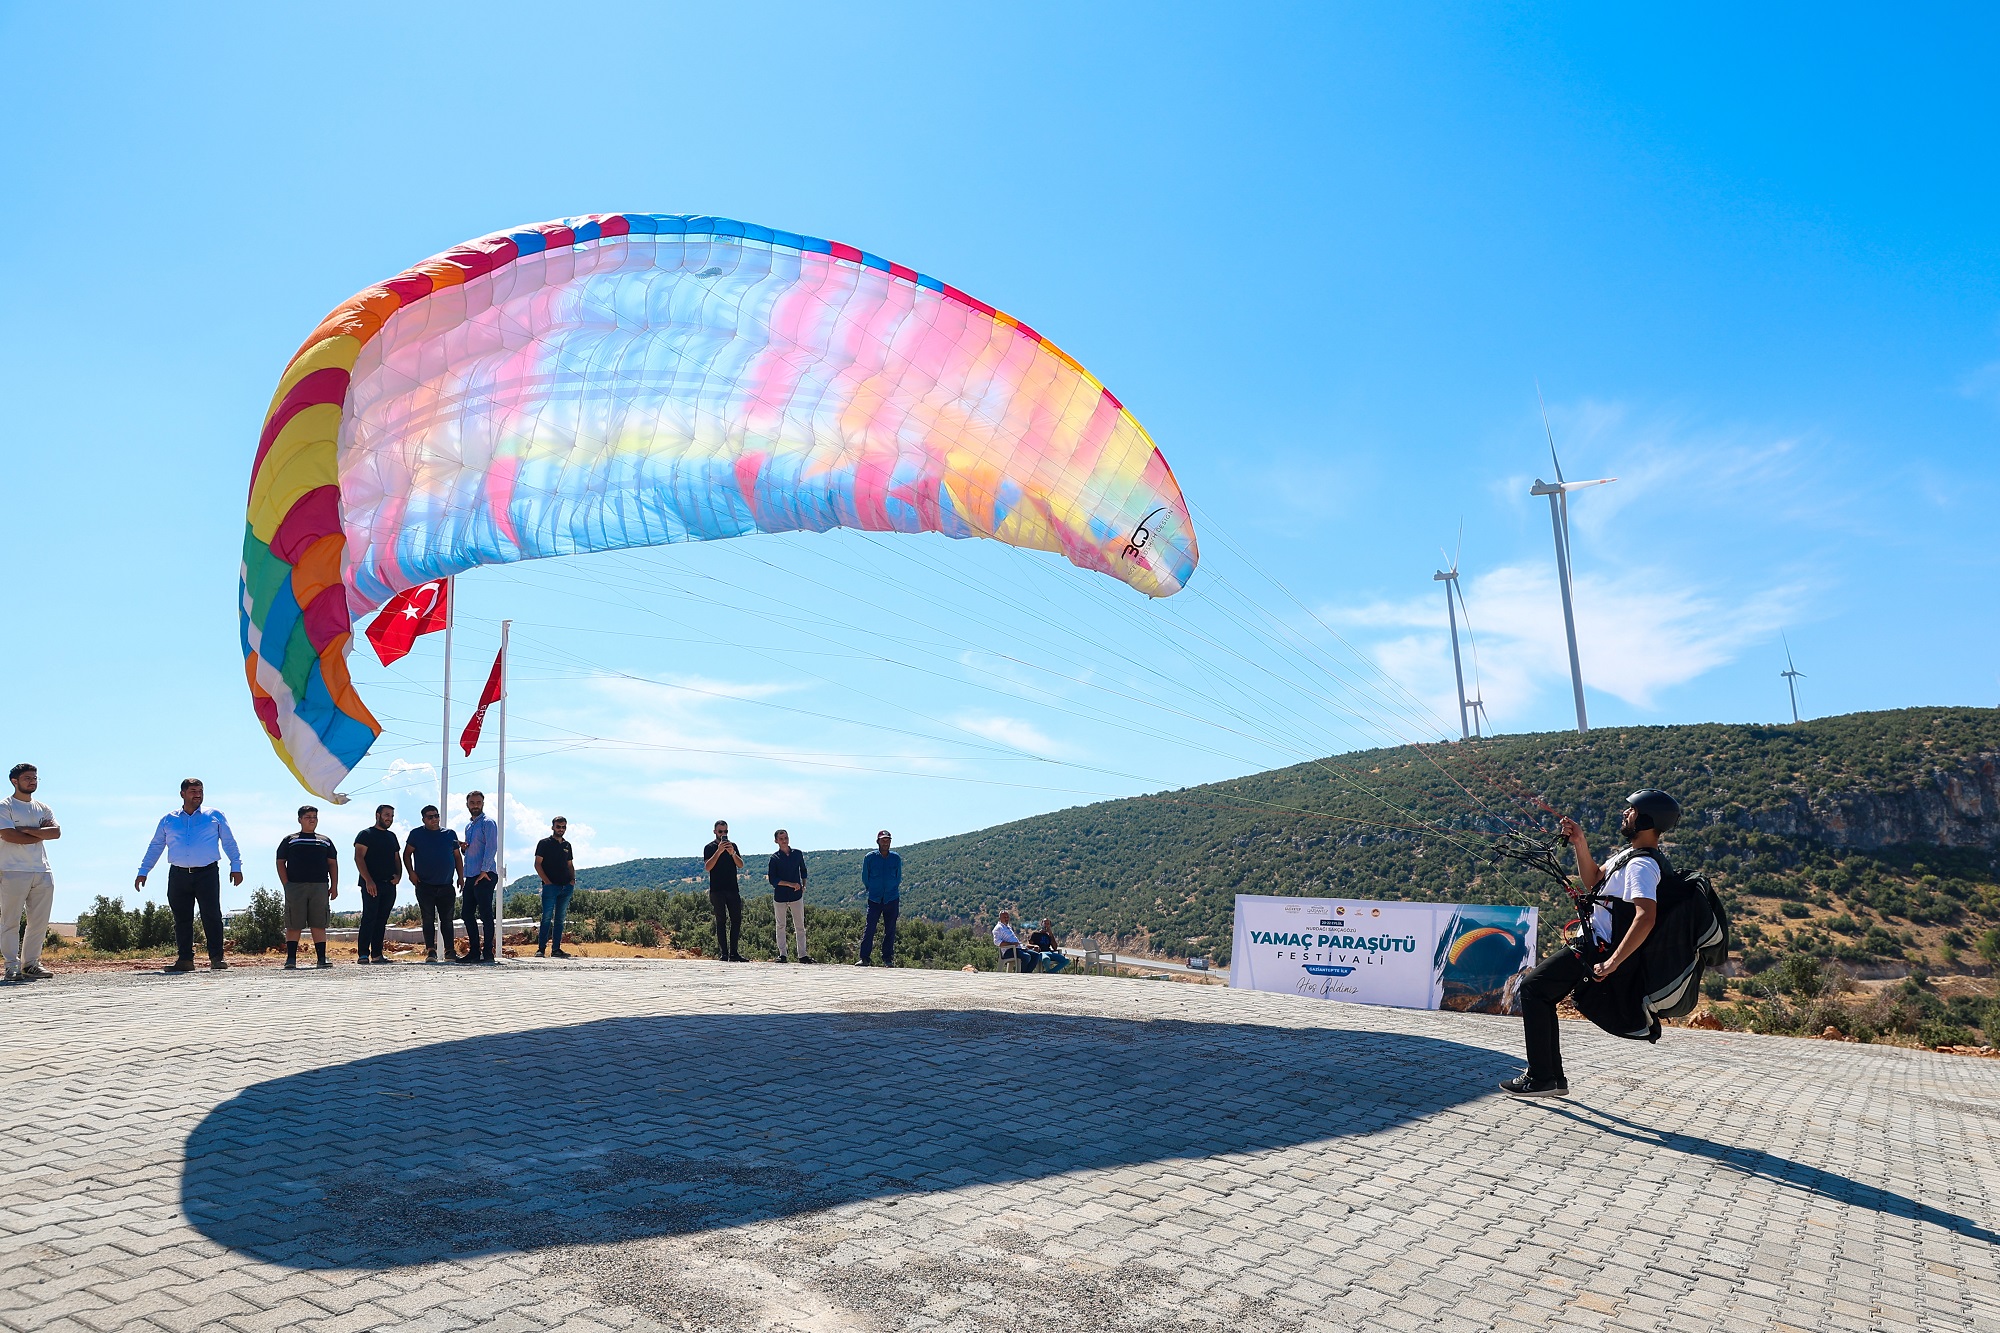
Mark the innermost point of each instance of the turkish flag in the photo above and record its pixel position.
(487, 698)
(423, 609)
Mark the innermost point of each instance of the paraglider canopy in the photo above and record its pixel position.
(628, 380)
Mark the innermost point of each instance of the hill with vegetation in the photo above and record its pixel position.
(1871, 838)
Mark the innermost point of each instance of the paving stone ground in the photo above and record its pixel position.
(696, 1146)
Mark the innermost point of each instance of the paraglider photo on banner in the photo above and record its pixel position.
(1483, 952)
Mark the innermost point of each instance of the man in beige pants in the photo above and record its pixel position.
(787, 873)
(25, 881)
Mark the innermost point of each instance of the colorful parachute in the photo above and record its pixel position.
(624, 380)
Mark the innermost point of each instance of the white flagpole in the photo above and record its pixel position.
(444, 765)
(500, 796)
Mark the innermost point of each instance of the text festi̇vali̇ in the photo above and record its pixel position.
(1333, 956)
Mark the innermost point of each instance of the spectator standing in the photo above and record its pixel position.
(555, 863)
(193, 839)
(436, 864)
(1047, 951)
(26, 884)
(882, 877)
(480, 873)
(309, 868)
(379, 858)
(1009, 943)
(787, 873)
(722, 860)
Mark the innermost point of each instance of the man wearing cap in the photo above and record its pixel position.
(1625, 901)
(882, 877)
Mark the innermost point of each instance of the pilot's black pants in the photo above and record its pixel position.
(1541, 991)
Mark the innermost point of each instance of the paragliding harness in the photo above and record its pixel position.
(1690, 935)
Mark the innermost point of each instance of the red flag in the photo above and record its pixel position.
(487, 698)
(414, 611)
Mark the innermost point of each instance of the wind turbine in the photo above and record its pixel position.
(1558, 493)
(1449, 577)
(1792, 677)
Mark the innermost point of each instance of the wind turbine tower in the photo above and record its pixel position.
(1558, 493)
(1449, 577)
(1792, 677)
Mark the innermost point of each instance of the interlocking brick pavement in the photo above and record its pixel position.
(640, 1146)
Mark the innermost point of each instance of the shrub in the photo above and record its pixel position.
(261, 926)
(1714, 987)
(110, 927)
(645, 934)
(1989, 947)
(1940, 1032)
(106, 925)
(1796, 911)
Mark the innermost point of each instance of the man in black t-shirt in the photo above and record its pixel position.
(556, 865)
(379, 858)
(308, 866)
(1043, 942)
(723, 860)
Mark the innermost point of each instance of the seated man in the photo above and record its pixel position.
(1009, 944)
(1048, 952)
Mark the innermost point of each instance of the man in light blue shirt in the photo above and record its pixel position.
(481, 879)
(193, 838)
(882, 876)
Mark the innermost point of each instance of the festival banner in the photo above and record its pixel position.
(1467, 957)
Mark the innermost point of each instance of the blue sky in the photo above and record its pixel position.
(1324, 254)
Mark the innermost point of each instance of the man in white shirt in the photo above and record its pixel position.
(25, 882)
(1627, 889)
(193, 839)
(1005, 940)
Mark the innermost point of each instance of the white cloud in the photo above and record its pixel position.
(1013, 731)
(1640, 632)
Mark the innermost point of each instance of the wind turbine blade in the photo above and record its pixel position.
(1549, 430)
(1579, 485)
(1461, 546)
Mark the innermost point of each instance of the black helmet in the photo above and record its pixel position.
(1657, 810)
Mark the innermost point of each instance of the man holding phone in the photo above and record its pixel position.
(722, 860)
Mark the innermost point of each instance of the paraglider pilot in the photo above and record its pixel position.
(1625, 908)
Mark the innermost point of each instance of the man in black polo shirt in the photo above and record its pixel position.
(556, 864)
(308, 866)
(379, 858)
(722, 861)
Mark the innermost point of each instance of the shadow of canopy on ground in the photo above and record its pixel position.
(633, 1128)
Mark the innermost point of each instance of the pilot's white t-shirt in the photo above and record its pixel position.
(1630, 877)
